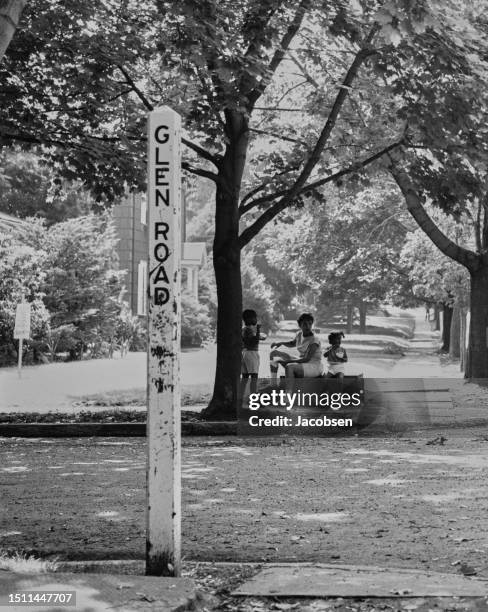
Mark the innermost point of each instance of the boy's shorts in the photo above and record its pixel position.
(250, 362)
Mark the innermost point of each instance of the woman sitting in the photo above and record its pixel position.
(309, 361)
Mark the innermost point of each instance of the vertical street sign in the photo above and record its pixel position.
(163, 537)
(22, 329)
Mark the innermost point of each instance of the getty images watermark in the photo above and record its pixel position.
(299, 399)
(316, 407)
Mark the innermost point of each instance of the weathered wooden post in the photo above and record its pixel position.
(164, 300)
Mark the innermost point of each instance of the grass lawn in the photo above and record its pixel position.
(190, 395)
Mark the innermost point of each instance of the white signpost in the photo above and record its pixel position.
(163, 544)
(22, 329)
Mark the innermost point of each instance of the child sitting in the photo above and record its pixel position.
(336, 356)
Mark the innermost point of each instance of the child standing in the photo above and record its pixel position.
(251, 335)
(336, 356)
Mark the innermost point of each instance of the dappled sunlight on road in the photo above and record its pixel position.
(358, 500)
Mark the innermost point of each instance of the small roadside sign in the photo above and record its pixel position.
(22, 329)
(22, 321)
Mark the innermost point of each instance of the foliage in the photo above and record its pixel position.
(436, 278)
(69, 276)
(27, 189)
(130, 332)
(22, 274)
(256, 293)
(195, 321)
(66, 91)
(270, 258)
(61, 339)
(207, 293)
(305, 93)
(82, 284)
(347, 253)
(259, 287)
(80, 77)
(200, 209)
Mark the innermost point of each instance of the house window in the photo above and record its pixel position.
(142, 288)
(143, 209)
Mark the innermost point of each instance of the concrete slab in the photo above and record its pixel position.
(320, 580)
(98, 592)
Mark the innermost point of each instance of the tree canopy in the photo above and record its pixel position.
(278, 99)
(28, 188)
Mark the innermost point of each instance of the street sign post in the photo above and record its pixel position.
(22, 329)
(163, 541)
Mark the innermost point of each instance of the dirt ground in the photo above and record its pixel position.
(386, 501)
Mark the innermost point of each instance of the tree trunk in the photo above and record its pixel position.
(437, 319)
(10, 11)
(455, 339)
(227, 266)
(349, 317)
(446, 327)
(229, 343)
(477, 357)
(463, 334)
(363, 310)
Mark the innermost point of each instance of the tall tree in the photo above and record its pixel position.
(473, 258)
(437, 279)
(348, 252)
(445, 161)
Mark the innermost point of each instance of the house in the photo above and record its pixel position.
(193, 258)
(130, 217)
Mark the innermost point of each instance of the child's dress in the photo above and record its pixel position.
(336, 358)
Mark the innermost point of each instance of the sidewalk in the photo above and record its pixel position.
(468, 403)
(422, 358)
(99, 592)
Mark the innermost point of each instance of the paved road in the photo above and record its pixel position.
(389, 501)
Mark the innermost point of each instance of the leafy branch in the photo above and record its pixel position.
(269, 214)
(279, 53)
(465, 257)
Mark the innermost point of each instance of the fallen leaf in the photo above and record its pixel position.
(467, 570)
(437, 441)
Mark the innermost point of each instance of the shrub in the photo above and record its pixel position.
(21, 278)
(195, 322)
(68, 273)
(130, 331)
